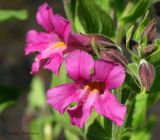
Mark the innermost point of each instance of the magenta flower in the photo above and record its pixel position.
(89, 90)
(56, 41)
(49, 44)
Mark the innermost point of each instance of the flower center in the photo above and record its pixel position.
(95, 87)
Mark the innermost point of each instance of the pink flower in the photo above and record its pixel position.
(56, 41)
(91, 90)
(49, 44)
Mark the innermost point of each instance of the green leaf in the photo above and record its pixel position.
(8, 14)
(139, 116)
(118, 6)
(56, 130)
(93, 18)
(103, 4)
(128, 36)
(70, 136)
(154, 59)
(140, 135)
(99, 129)
(36, 96)
(132, 81)
(133, 68)
(5, 105)
(36, 127)
(61, 78)
(66, 124)
(141, 27)
(8, 97)
(134, 10)
(91, 119)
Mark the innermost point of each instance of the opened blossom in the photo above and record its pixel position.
(56, 41)
(51, 43)
(91, 89)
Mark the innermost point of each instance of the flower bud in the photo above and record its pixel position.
(147, 74)
(114, 55)
(149, 49)
(150, 31)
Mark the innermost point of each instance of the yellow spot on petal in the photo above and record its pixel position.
(55, 47)
(95, 91)
(59, 45)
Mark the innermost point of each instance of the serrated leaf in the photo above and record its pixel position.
(8, 14)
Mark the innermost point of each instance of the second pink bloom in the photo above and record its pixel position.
(91, 89)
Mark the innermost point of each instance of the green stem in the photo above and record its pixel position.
(114, 130)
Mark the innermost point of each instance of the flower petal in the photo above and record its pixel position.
(36, 64)
(44, 17)
(62, 96)
(108, 106)
(80, 113)
(116, 77)
(78, 41)
(39, 41)
(61, 26)
(102, 69)
(54, 63)
(79, 65)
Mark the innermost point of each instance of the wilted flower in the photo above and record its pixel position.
(93, 81)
